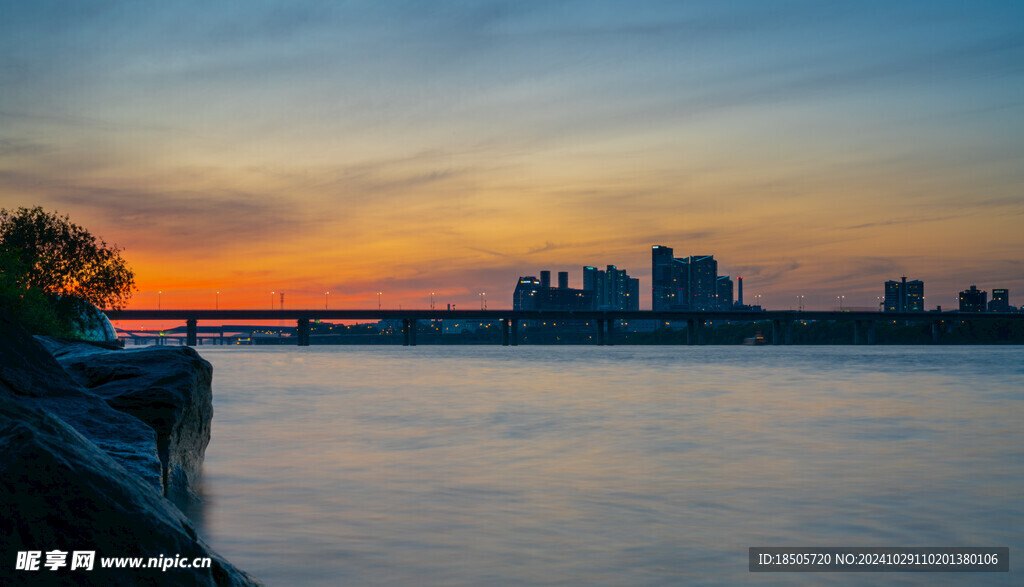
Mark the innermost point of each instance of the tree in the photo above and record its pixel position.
(48, 254)
(33, 310)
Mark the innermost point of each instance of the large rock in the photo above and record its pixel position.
(58, 491)
(26, 368)
(29, 373)
(126, 439)
(78, 475)
(168, 388)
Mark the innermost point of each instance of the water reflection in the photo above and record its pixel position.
(580, 465)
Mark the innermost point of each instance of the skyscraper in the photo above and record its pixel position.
(612, 289)
(701, 282)
(688, 283)
(904, 296)
(663, 284)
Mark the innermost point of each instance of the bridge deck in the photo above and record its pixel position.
(781, 329)
(427, 314)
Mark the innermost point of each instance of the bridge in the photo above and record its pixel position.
(781, 320)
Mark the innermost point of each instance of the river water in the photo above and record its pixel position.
(483, 465)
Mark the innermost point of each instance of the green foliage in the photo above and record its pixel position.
(51, 269)
(29, 307)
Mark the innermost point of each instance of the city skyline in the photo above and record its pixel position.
(403, 155)
(891, 296)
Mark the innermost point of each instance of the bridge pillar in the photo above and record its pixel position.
(609, 340)
(515, 332)
(190, 332)
(691, 331)
(856, 331)
(776, 332)
(405, 332)
(303, 331)
(789, 331)
(600, 332)
(412, 332)
(936, 332)
(871, 331)
(504, 331)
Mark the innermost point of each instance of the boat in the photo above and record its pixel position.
(756, 339)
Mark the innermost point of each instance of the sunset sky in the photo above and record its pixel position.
(814, 148)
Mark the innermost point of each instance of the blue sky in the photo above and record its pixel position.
(814, 148)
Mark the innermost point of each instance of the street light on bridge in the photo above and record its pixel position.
(271, 300)
(159, 294)
(326, 293)
(378, 299)
(216, 303)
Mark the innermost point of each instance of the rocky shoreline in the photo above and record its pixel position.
(96, 448)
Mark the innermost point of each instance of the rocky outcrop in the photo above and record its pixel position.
(26, 368)
(167, 388)
(58, 491)
(78, 474)
(31, 375)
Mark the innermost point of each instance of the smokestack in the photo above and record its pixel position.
(545, 279)
(563, 280)
(740, 300)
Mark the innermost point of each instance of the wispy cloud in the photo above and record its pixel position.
(899, 221)
(487, 252)
(20, 148)
(208, 221)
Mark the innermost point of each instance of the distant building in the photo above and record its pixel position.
(1000, 300)
(973, 300)
(687, 283)
(612, 289)
(904, 296)
(527, 290)
(664, 286)
(609, 289)
(724, 292)
(537, 294)
(700, 273)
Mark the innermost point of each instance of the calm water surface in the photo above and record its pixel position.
(607, 465)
